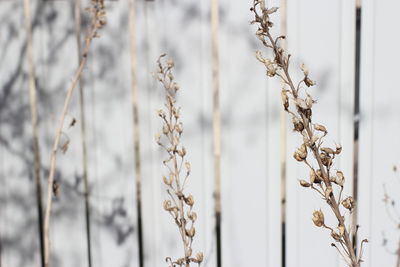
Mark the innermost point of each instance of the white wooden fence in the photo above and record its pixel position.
(266, 216)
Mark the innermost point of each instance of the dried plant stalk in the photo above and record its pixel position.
(98, 20)
(179, 204)
(328, 185)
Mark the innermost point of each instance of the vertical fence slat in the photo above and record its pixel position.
(250, 178)
(111, 161)
(379, 128)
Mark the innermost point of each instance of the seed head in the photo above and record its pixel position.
(318, 218)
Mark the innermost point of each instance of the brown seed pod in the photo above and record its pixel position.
(328, 150)
(318, 218)
(335, 236)
(304, 183)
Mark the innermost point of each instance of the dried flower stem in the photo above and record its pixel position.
(179, 205)
(321, 180)
(98, 20)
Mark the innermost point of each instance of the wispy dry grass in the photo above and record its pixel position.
(98, 20)
(298, 103)
(180, 204)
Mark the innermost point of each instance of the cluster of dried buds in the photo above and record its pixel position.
(98, 17)
(179, 205)
(298, 104)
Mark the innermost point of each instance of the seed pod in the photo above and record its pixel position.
(304, 183)
(165, 129)
(309, 101)
(335, 236)
(338, 149)
(199, 257)
(167, 205)
(189, 200)
(301, 103)
(318, 218)
(188, 252)
(161, 113)
(328, 150)
(297, 156)
(297, 124)
(320, 128)
(182, 152)
(308, 82)
(339, 178)
(168, 181)
(179, 128)
(326, 159)
(349, 203)
(191, 232)
(304, 69)
(187, 165)
(272, 10)
(192, 216)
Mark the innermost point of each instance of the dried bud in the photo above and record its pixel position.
(301, 103)
(192, 215)
(161, 113)
(318, 218)
(328, 150)
(326, 159)
(285, 99)
(304, 183)
(191, 232)
(188, 252)
(167, 205)
(272, 10)
(339, 178)
(187, 165)
(301, 153)
(309, 101)
(349, 203)
(314, 178)
(182, 152)
(168, 181)
(165, 129)
(179, 128)
(304, 69)
(170, 63)
(320, 128)
(338, 149)
(189, 200)
(335, 236)
(199, 257)
(297, 124)
(309, 82)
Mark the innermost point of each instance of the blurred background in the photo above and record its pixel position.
(352, 52)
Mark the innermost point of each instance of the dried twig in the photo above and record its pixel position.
(179, 204)
(322, 180)
(98, 20)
